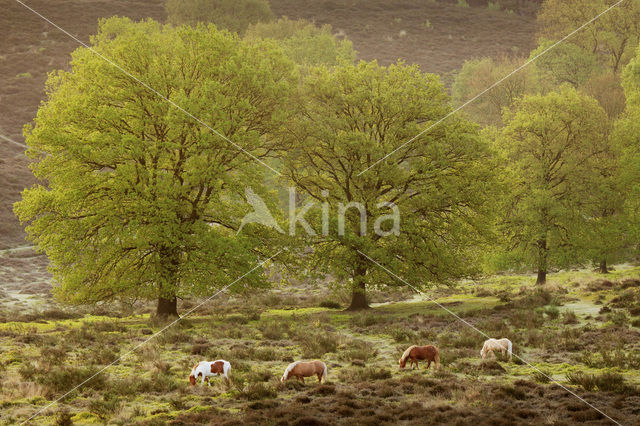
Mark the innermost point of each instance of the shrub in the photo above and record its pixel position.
(402, 335)
(233, 15)
(316, 345)
(358, 350)
(330, 304)
(569, 317)
(61, 379)
(541, 376)
(106, 406)
(303, 42)
(607, 382)
(552, 312)
(256, 391)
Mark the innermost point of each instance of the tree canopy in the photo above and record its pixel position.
(554, 147)
(349, 117)
(136, 198)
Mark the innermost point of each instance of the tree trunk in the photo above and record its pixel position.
(358, 292)
(603, 267)
(543, 254)
(167, 307)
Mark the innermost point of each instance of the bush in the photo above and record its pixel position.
(569, 317)
(106, 406)
(606, 382)
(316, 345)
(330, 304)
(552, 312)
(257, 390)
(303, 42)
(61, 379)
(541, 376)
(233, 15)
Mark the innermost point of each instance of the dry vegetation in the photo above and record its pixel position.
(580, 330)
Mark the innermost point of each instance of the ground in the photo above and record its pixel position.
(437, 35)
(580, 330)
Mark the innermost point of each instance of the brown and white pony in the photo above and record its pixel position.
(420, 353)
(300, 370)
(206, 369)
(502, 345)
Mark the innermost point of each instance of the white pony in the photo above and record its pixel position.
(207, 369)
(502, 345)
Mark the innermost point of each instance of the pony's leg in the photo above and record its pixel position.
(302, 379)
(417, 365)
(319, 377)
(428, 363)
(208, 382)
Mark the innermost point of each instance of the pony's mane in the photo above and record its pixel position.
(289, 368)
(406, 353)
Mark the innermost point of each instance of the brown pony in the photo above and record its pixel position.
(300, 370)
(420, 353)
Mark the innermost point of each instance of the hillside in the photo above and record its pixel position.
(438, 36)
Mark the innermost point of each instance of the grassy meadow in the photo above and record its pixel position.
(581, 330)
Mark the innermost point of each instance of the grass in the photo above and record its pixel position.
(360, 349)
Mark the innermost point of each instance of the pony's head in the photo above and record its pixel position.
(192, 375)
(483, 351)
(402, 362)
(284, 377)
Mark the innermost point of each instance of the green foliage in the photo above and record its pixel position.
(136, 198)
(477, 75)
(350, 117)
(564, 63)
(233, 15)
(303, 42)
(613, 36)
(553, 147)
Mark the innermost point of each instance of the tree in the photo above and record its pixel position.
(479, 74)
(627, 144)
(352, 115)
(613, 36)
(232, 15)
(552, 146)
(136, 198)
(303, 42)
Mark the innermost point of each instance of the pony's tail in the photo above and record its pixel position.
(436, 360)
(510, 348)
(324, 372)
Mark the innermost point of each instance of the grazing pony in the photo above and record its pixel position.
(206, 369)
(300, 370)
(420, 353)
(502, 345)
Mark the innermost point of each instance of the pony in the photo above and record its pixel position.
(420, 353)
(206, 369)
(502, 345)
(300, 370)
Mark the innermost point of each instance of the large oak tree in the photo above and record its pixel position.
(137, 199)
(349, 117)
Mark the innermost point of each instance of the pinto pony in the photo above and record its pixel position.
(206, 369)
(300, 370)
(502, 345)
(420, 353)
